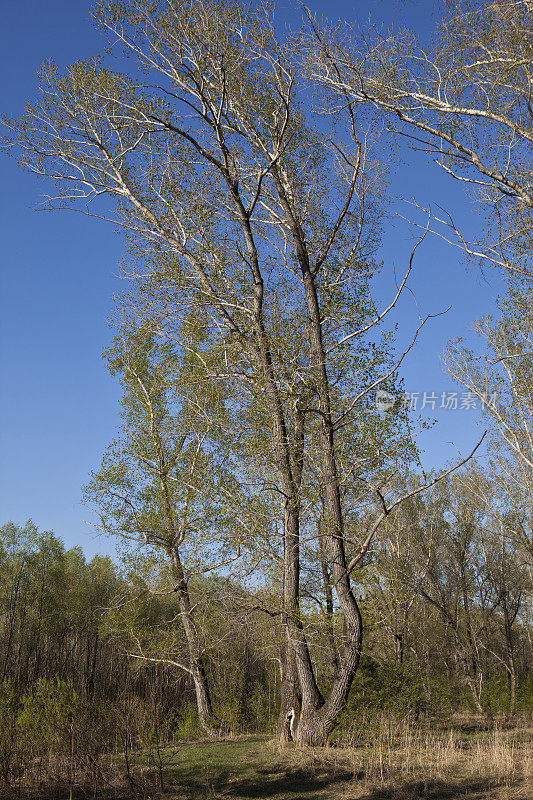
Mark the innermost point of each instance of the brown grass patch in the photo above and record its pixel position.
(405, 761)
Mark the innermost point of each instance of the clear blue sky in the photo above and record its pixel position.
(59, 272)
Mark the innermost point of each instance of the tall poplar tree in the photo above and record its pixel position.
(261, 222)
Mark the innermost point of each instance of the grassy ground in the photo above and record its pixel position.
(396, 761)
(493, 765)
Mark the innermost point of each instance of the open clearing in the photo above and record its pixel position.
(494, 767)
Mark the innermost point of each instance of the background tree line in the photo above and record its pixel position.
(92, 652)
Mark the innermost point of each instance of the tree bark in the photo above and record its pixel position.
(328, 593)
(208, 720)
(290, 692)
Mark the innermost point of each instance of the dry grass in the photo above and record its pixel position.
(400, 759)
(394, 760)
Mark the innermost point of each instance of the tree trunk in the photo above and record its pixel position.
(399, 648)
(470, 670)
(512, 689)
(313, 730)
(208, 720)
(289, 711)
(317, 717)
(328, 592)
(510, 657)
(311, 699)
(301, 683)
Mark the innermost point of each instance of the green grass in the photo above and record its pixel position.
(247, 769)
(254, 769)
(394, 763)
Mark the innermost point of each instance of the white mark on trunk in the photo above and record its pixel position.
(291, 717)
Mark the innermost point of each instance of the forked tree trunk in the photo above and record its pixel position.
(307, 688)
(316, 724)
(289, 462)
(318, 716)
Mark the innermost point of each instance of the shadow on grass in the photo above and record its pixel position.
(301, 784)
(434, 790)
(268, 783)
(293, 783)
